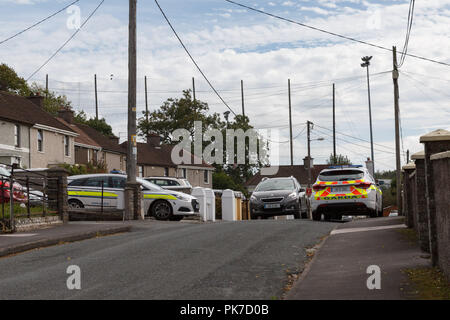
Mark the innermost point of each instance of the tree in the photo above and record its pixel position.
(176, 114)
(182, 113)
(338, 160)
(98, 124)
(52, 102)
(11, 82)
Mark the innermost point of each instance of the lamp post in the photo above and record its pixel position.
(366, 64)
(309, 123)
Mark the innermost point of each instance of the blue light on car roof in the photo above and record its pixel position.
(346, 166)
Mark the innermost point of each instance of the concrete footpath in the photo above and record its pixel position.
(339, 269)
(73, 231)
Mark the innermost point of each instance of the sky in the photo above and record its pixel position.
(231, 44)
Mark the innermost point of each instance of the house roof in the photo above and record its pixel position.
(297, 171)
(82, 137)
(107, 143)
(19, 109)
(152, 155)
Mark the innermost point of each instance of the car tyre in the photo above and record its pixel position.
(161, 210)
(176, 218)
(75, 204)
(316, 216)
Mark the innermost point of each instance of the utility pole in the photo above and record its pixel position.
(96, 100)
(395, 75)
(290, 123)
(366, 64)
(407, 156)
(334, 122)
(46, 86)
(146, 104)
(193, 88)
(308, 123)
(242, 97)
(132, 204)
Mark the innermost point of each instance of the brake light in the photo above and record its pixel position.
(318, 187)
(363, 185)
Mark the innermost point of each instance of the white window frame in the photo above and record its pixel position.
(66, 146)
(206, 181)
(17, 135)
(184, 173)
(42, 140)
(166, 171)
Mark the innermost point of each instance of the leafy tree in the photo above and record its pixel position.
(11, 82)
(176, 114)
(182, 113)
(338, 160)
(52, 101)
(98, 124)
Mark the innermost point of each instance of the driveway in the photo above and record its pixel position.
(169, 260)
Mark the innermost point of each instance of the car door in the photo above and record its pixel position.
(92, 190)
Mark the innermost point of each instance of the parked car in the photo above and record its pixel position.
(277, 197)
(171, 183)
(346, 190)
(85, 191)
(18, 194)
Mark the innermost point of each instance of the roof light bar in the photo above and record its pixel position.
(346, 166)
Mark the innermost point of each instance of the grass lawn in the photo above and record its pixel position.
(21, 211)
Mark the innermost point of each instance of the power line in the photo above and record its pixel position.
(67, 41)
(193, 60)
(38, 23)
(334, 34)
(408, 32)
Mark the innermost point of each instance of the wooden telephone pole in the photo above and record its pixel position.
(96, 100)
(395, 75)
(290, 123)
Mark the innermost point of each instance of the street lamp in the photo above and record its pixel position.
(366, 64)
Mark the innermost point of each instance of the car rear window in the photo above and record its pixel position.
(275, 184)
(341, 175)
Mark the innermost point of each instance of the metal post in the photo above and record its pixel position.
(334, 123)
(290, 123)
(44, 186)
(193, 88)
(28, 197)
(101, 207)
(11, 199)
(96, 100)
(309, 153)
(242, 97)
(3, 198)
(146, 105)
(370, 120)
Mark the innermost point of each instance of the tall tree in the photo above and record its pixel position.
(339, 159)
(11, 82)
(98, 124)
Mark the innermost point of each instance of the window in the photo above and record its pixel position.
(141, 171)
(97, 182)
(17, 136)
(341, 175)
(206, 176)
(66, 146)
(88, 155)
(275, 184)
(40, 139)
(184, 173)
(166, 172)
(118, 182)
(77, 182)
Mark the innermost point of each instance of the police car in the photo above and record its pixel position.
(87, 191)
(345, 190)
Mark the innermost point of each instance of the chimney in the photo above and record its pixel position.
(307, 161)
(37, 100)
(66, 115)
(114, 139)
(154, 140)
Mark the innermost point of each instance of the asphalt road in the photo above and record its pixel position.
(169, 260)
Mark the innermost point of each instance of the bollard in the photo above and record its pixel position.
(199, 193)
(210, 204)
(228, 205)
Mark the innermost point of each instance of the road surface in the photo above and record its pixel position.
(169, 260)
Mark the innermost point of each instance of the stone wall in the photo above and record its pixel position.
(441, 174)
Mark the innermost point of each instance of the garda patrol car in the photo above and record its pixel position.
(345, 190)
(87, 191)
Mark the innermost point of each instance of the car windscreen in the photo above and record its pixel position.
(149, 185)
(341, 175)
(275, 184)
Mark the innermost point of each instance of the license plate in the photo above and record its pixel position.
(272, 206)
(340, 189)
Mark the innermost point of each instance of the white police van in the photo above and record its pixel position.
(95, 190)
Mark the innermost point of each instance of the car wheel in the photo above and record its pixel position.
(75, 204)
(316, 216)
(298, 215)
(373, 213)
(162, 210)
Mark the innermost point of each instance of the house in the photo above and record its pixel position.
(86, 149)
(300, 172)
(32, 137)
(155, 159)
